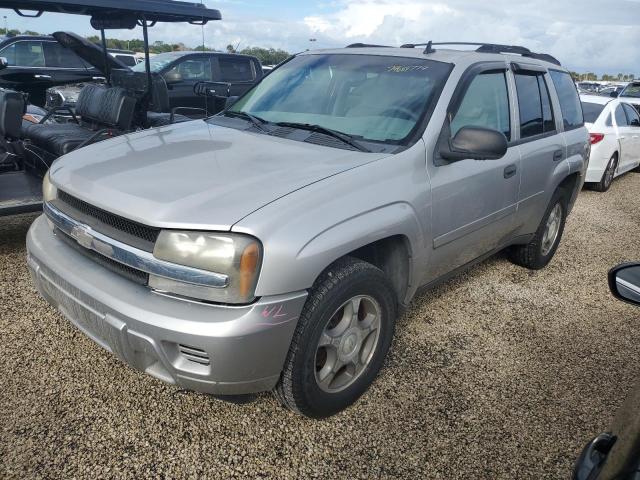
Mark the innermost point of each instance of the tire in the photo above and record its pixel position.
(607, 177)
(300, 387)
(538, 252)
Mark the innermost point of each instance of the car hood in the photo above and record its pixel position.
(89, 52)
(195, 175)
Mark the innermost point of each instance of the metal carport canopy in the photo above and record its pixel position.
(149, 10)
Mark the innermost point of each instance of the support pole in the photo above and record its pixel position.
(107, 70)
(145, 35)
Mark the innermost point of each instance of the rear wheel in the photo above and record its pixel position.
(540, 250)
(607, 177)
(342, 338)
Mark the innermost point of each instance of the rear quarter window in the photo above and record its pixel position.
(570, 104)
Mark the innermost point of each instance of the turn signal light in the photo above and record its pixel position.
(596, 138)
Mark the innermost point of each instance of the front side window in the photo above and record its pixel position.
(24, 54)
(592, 111)
(569, 100)
(236, 69)
(485, 104)
(193, 69)
(374, 98)
(621, 117)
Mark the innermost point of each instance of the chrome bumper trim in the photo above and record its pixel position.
(131, 256)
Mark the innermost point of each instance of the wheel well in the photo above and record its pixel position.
(392, 256)
(570, 183)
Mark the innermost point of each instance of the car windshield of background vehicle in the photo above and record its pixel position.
(631, 91)
(158, 62)
(374, 98)
(592, 111)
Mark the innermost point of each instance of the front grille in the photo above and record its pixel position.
(132, 274)
(114, 226)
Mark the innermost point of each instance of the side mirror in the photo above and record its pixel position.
(624, 282)
(172, 77)
(230, 101)
(212, 89)
(475, 143)
(614, 94)
(4, 63)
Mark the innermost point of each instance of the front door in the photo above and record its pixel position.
(634, 133)
(473, 202)
(183, 76)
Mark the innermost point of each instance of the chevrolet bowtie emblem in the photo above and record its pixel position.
(82, 235)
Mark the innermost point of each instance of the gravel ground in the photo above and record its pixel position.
(500, 373)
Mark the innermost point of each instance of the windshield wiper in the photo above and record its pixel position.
(325, 131)
(257, 121)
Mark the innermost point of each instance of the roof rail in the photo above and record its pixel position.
(490, 48)
(366, 45)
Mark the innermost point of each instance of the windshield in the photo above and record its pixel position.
(592, 111)
(632, 90)
(376, 98)
(158, 62)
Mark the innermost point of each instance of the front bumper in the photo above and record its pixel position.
(208, 348)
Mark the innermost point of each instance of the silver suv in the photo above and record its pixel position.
(272, 247)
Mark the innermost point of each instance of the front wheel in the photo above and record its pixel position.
(342, 338)
(540, 250)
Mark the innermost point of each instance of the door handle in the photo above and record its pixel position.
(558, 155)
(510, 171)
(44, 77)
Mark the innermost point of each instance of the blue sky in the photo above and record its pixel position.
(586, 35)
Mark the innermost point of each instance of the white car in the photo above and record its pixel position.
(614, 126)
(631, 94)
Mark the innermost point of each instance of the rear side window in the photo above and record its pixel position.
(569, 100)
(24, 53)
(128, 60)
(57, 56)
(632, 115)
(621, 118)
(592, 111)
(236, 69)
(536, 113)
(485, 104)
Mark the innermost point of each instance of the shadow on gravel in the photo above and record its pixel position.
(13, 231)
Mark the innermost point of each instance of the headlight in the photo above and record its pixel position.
(49, 191)
(237, 256)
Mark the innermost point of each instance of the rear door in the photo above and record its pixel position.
(474, 202)
(27, 71)
(239, 71)
(634, 132)
(540, 144)
(625, 136)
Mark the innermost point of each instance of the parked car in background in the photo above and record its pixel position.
(183, 70)
(272, 247)
(631, 94)
(126, 57)
(614, 128)
(614, 455)
(37, 63)
(592, 87)
(612, 91)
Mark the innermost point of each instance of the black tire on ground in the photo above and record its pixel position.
(531, 255)
(607, 177)
(347, 278)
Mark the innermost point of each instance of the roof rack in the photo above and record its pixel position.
(489, 48)
(366, 45)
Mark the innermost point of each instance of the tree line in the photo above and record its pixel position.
(267, 56)
(592, 77)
